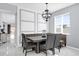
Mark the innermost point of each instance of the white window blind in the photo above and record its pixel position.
(27, 26)
(27, 15)
(27, 21)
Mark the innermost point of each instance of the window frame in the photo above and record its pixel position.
(61, 23)
(23, 20)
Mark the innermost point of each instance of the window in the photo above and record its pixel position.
(62, 23)
(27, 21)
(5, 19)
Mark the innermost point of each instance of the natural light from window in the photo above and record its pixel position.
(62, 23)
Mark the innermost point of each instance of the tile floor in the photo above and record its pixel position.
(8, 49)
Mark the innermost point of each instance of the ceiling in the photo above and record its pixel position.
(39, 7)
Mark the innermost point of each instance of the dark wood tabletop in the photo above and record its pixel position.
(37, 39)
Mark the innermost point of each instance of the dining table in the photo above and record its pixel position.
(37, 40)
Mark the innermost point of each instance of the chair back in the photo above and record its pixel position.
(58, 38)
(50, 42)
(44, 34)
(24, 41)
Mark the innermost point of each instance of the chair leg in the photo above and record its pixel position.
(26, 53)
(59, 49)
(23, 50)
(53, 51)
(46, 53)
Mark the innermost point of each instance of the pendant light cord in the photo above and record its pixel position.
(46, 5)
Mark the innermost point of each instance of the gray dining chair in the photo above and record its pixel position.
(49, 44)
(58, 43)
(27, 44)
(43, 36)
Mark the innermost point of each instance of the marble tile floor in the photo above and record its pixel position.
(8, 49)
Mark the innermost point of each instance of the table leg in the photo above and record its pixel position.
(37, 48)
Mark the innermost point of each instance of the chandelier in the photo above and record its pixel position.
(46, 14)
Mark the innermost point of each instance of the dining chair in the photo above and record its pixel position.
(43, 36)
(27, 44)
(58, 41)
(49, 44)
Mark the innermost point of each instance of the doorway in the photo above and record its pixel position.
(7, 29)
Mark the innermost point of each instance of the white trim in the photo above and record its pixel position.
(61, 22)
(54, 24)
(73, 48)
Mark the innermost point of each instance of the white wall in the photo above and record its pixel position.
(73, 38)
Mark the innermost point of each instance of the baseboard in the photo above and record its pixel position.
(73, 48)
